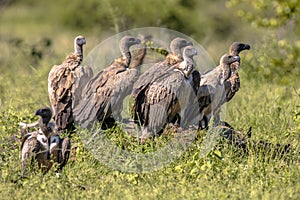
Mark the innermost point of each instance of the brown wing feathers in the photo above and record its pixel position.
(64, 83)
(108, 88)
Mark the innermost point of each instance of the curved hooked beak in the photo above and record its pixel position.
(247, 46)
(38, 112)
(83, 41)
(195, 52)
(237, 58)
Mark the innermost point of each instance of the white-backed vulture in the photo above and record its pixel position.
(145, 79)
(64, 86)
(34, 145)
(104, 94)
(211, 91)
(167, 96)
(44, 145)
(59, 148)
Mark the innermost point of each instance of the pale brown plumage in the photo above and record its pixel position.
(145, 79)
(104, 93)
(211, 91)
(64, 86)
(167, 96)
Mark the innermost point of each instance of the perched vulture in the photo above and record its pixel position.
(44, 146)
(231, 84)
(167, 96)
(65, 83)
(105, 92)
(59, 148)
(211, 91)
(34, 145)
(155, 71)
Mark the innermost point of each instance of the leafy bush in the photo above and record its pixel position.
(275, 56)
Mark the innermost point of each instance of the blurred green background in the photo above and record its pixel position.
(271, 27)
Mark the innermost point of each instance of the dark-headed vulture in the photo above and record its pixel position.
(34, 145)
(167, 96)
(44, 145)
(64, 85)
(104, 94)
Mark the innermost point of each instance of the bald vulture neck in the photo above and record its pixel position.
(44, 124)
(226, 71)
(234, 53)
(78, 50)
(124, 47)
(187, 66)
(175, 49)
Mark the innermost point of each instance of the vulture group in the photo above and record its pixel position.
(171, 91)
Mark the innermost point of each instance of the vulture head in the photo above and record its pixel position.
(189, 52)
(127, 41)
(177, 44)
(226, 59)
(187, 66)
(225, 62)
(79, 41)
(237, 47)
(45, 114)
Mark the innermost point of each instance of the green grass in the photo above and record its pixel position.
(271, 109)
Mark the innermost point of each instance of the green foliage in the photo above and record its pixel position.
(276, 54)
(275, 60)
(224, 172)
(267, 13)
(27, 62)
